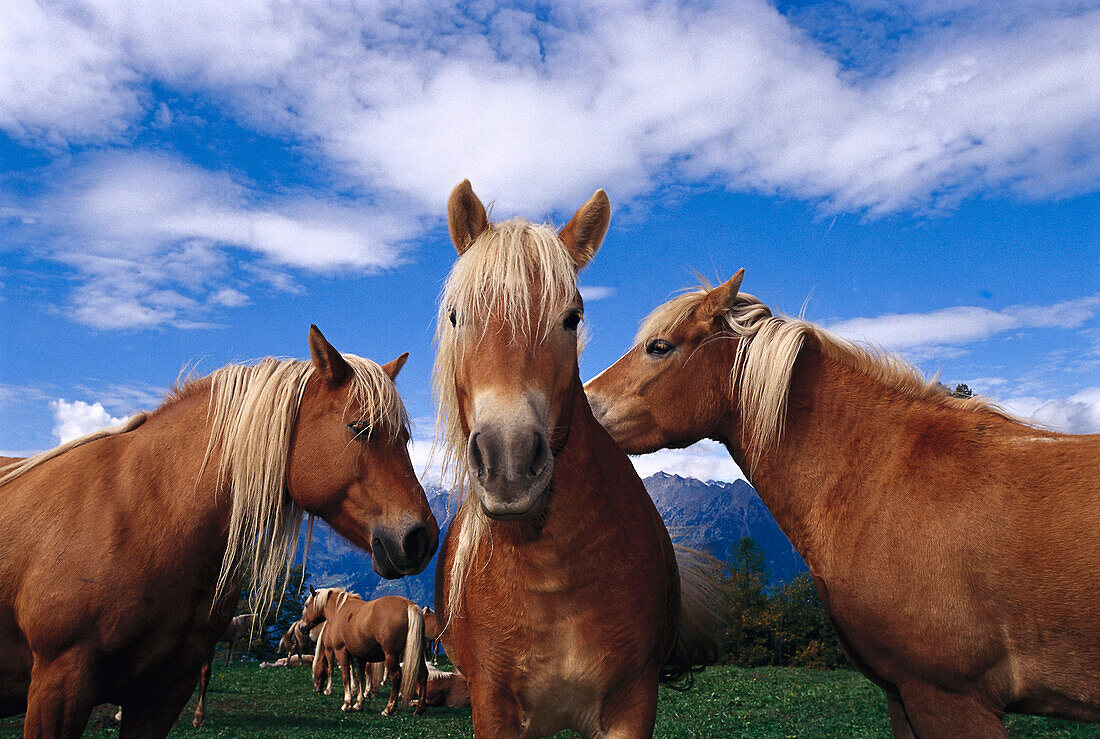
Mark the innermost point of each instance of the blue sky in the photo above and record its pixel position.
(195, 189)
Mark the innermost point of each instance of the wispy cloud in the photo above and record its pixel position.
(153, 239)
(411, 97)
(962, 324)
(1077, 414)
(595, 292)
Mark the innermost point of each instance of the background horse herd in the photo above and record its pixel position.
(953, 546)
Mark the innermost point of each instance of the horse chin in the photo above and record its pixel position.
(530, 508)
(380, 562)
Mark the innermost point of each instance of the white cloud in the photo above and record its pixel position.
(401, 100)
(152, 237)
(962, 324)
(411, 97)
(73, 420)
(1077, 414)
(704, 460)
(595, 292)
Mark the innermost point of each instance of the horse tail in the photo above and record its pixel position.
(701, 619)
(414, 653)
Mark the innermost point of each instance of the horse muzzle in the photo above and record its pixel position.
(397, 552)
(510, 470)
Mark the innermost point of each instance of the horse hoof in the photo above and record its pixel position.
(387, 712)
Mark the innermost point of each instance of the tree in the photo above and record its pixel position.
(962, 390)
(747, 635)
(278, 619)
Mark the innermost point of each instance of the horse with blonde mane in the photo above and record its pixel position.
(431, 635)
(558, 538)
(360, 633)
(124, 550)
(954, 547)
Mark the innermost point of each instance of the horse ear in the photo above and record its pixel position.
(328, 362)
(393, 367)
(584, 234)
(719, 300)
(312, 590)
(466, 217)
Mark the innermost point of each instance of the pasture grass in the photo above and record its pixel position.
(725, 702)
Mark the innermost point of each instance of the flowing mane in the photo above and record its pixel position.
(253, 409)
(521, 273)
(766, 354)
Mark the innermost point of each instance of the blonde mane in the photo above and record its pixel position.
(252, 413)
(769, 345)
(521, 274)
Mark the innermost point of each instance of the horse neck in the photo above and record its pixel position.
(838, 422)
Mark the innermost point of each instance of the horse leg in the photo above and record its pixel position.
(899, 722)
(421, 693)
(229, 653)
(347, 677)
(631, 712)
(393, 664)
(60, 698)
(495, 712)
(155, 717)
(330, 667)
(934, 713)
(360, 678)
(204, 680)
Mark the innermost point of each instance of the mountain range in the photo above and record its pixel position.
(711, 516)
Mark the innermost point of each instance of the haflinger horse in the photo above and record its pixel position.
(123, 551)
(557, 581)
(954, 548)
(295, 641)
(431, 635)
(447, 689)
(358, 633)
(240, 628)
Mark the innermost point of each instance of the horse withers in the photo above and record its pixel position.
(140, 534)
(954, 548)
(556, 538)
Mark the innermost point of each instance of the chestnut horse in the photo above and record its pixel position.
(123, 551)
(954, 548)
(295, 641)
(559, 539)
(358, 632)
(431, 635)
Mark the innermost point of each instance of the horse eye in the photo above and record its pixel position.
(360, 428)
(573, 320)
(658, 347)
(454, 319)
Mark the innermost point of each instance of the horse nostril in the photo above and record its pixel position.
(539, 456)
(416, 544)
(477, 460)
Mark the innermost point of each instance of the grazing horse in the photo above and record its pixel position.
(431, 635)
(360, 632)
(559, 538)
(123, 551)
(954, 547)
(295, 641)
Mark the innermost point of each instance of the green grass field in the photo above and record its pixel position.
(725, 702)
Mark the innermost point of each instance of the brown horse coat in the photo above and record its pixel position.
(954, 548)
(110, 558)
(557, 582)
